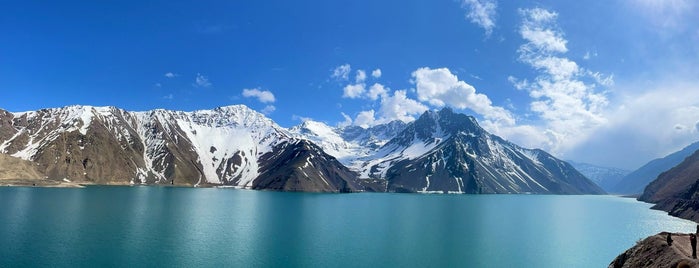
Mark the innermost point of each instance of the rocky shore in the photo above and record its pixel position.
(654, 251)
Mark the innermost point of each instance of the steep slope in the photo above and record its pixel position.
(605, 177)
(636, 181)
(12, 168)
(444, 152)
(677, 190)
(107, 145)
(350, 143)
(299, 165)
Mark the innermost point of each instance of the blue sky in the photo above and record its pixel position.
(608, 82)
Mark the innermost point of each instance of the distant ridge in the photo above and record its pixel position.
(636, 181)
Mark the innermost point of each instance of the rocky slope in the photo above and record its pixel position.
(12, 168)
(677, 190)
(446, 152)
(655, 252)
(636, 181)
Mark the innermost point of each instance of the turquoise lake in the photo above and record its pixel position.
(187, 227)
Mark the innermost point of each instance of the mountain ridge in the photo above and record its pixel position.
(237, 146)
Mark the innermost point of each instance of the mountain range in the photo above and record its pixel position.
(440, 152)
(606, 177)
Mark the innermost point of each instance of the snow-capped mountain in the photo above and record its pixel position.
(605, 177)
(110, 145)
(446, 152)
(348, 143)
(439, 152)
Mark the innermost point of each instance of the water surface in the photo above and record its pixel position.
(185, 227)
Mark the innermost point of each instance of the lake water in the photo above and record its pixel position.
(186, 227)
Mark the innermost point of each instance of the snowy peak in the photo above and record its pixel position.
(446, 152)
(219, 146)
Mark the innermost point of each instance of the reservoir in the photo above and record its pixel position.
(101, 226)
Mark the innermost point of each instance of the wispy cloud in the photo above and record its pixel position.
(201, 81)
(268, 109)
(341, 72)
(482, 13)
(564, 95)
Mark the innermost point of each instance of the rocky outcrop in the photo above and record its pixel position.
(654, 251)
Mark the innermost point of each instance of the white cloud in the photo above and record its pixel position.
(395, 107)
(360, 77)
(158, 85)
(643, 125)
(201, 81)
(342, 72)
(301, 118)
(482, 13)
(171, 75)
(168, 97)
(376, 73)
(268, 109)
(439, 87)
(354, 91)
(347, 122)
(564, 95)
(264, 96)
(365, 119)
(399, 107)
(376, 91)
(538, 29)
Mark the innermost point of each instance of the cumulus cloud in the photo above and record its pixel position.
(365, 119)
(171, 75)
(482, 13)
(353, 91)
(399, 107)
(342, 72)
(360, 77)
(376, 73)
(376, 91)
(263, 96)
(201, 81)
(439, 87)
(392, 107)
